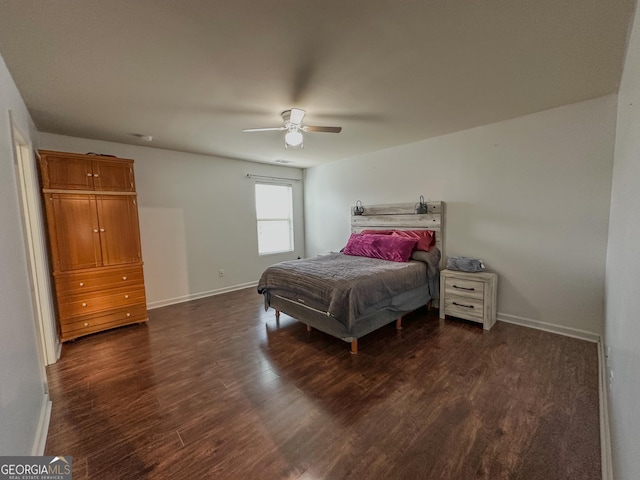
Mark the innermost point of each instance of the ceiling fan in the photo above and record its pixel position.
(293, 125)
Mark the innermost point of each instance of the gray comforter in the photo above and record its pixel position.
(344, 286)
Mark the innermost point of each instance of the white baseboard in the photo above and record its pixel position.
(40, 440)
(549, 327)
(605, 432)
(195, 296)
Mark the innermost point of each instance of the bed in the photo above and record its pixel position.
(350, 295)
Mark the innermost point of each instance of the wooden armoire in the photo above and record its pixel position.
(94, 242)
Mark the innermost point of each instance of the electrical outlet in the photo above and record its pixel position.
(221, 273)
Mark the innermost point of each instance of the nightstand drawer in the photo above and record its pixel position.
(464, 307)
(464, 288)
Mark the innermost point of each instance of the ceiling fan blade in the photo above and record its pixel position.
(296, 116)
(263, 129)
(311, 128)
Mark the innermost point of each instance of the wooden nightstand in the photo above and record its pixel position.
(471, 296)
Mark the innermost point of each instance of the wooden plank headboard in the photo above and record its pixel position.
(402, 216)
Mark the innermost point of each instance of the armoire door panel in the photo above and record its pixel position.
(119, 230)
(74, 231)
(68, 173)
(111, 175)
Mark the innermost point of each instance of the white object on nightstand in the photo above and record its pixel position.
(471, 296)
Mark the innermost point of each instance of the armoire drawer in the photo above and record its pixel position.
(85, 304)
(78, 326)
(98, 279)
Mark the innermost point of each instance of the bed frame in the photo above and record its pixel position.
(399, 216)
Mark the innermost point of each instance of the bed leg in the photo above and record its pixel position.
(308, 328)
(354, 346)
(399, 323)
(277, 314)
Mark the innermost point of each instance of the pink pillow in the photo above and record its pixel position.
(385, 247)
(425, 238)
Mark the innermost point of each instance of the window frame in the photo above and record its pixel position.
(290, 218)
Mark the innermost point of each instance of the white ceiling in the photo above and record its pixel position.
(194, 73)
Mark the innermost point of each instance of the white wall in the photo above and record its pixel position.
(22, 386)
(197, 216)
(529, 196)
(622, 320)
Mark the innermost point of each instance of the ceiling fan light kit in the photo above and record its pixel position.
(293, 138)
(293, 125)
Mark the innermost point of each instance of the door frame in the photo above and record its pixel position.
(31, 208)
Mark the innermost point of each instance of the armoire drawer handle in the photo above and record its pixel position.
(126, 296)
(96, 175)
(82, 284)
(128, 314)
(89, 174)
(86, 324)
(462, 305)
(124, 278)
(464, 288)
(84, 304)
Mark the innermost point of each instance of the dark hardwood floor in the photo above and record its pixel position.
(215, 388)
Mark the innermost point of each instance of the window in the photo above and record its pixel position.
(274, 212)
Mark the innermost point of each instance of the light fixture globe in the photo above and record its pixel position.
(293, 138)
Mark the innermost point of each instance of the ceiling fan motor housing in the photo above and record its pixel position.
(293, 116)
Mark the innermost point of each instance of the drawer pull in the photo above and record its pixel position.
(124, 278)
(82, 284)
(462, 305)
(465, 288)
(126, 296)
(84, 304)
(89, 174)
(96, 175)
(86, 324)
(128, 314)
